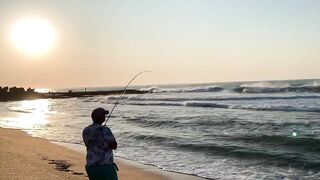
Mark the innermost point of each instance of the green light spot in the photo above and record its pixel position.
(294, 134)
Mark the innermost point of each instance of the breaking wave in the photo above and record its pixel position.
(225, 106)
(257, 87)
(278, 108)
(216, 98)
(183, 90)
(267, 87)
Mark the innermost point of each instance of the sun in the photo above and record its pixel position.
(33, 35)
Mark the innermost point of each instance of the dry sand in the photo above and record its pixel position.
(24, 157)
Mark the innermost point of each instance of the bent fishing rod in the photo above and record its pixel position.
(124, 91)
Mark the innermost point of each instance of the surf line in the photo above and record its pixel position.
(124, 92)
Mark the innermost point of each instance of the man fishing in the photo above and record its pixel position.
(100, 143)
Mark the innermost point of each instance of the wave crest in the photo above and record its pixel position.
(184, 90)
(267, 87)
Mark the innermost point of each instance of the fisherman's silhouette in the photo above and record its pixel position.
(100, 143)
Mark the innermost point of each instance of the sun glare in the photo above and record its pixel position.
(33, 35)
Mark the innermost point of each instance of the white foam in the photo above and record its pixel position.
(265, 84)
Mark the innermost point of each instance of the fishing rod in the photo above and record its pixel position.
(124, 91)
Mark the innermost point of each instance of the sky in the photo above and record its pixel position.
(106, 42)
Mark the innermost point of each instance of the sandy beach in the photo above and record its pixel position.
(24, 157)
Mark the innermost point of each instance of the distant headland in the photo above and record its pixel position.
(20, 93)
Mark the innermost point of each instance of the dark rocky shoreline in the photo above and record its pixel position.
(18, 94)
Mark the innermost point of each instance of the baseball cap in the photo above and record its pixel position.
(99, 114)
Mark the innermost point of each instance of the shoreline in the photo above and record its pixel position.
(145, 167)
(25, 157)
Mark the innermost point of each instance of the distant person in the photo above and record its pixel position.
(100, 143)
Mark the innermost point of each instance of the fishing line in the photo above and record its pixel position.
(124, 91)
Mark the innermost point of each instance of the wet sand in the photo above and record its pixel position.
(25, 157)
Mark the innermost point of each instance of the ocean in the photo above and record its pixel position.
(241, 130)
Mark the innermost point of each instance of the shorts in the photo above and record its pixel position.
(102, 172)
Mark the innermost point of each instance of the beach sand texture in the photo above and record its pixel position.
(24, 157)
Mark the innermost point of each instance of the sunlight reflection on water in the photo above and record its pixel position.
(29, 114)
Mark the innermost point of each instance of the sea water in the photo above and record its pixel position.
(243, 130)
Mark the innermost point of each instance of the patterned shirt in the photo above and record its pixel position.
(96, 138)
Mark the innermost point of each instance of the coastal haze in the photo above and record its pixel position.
(104, 43)
(233, 92)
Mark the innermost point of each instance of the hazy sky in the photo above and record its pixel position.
(104, 42)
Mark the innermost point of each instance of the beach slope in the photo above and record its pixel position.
(24, 157)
